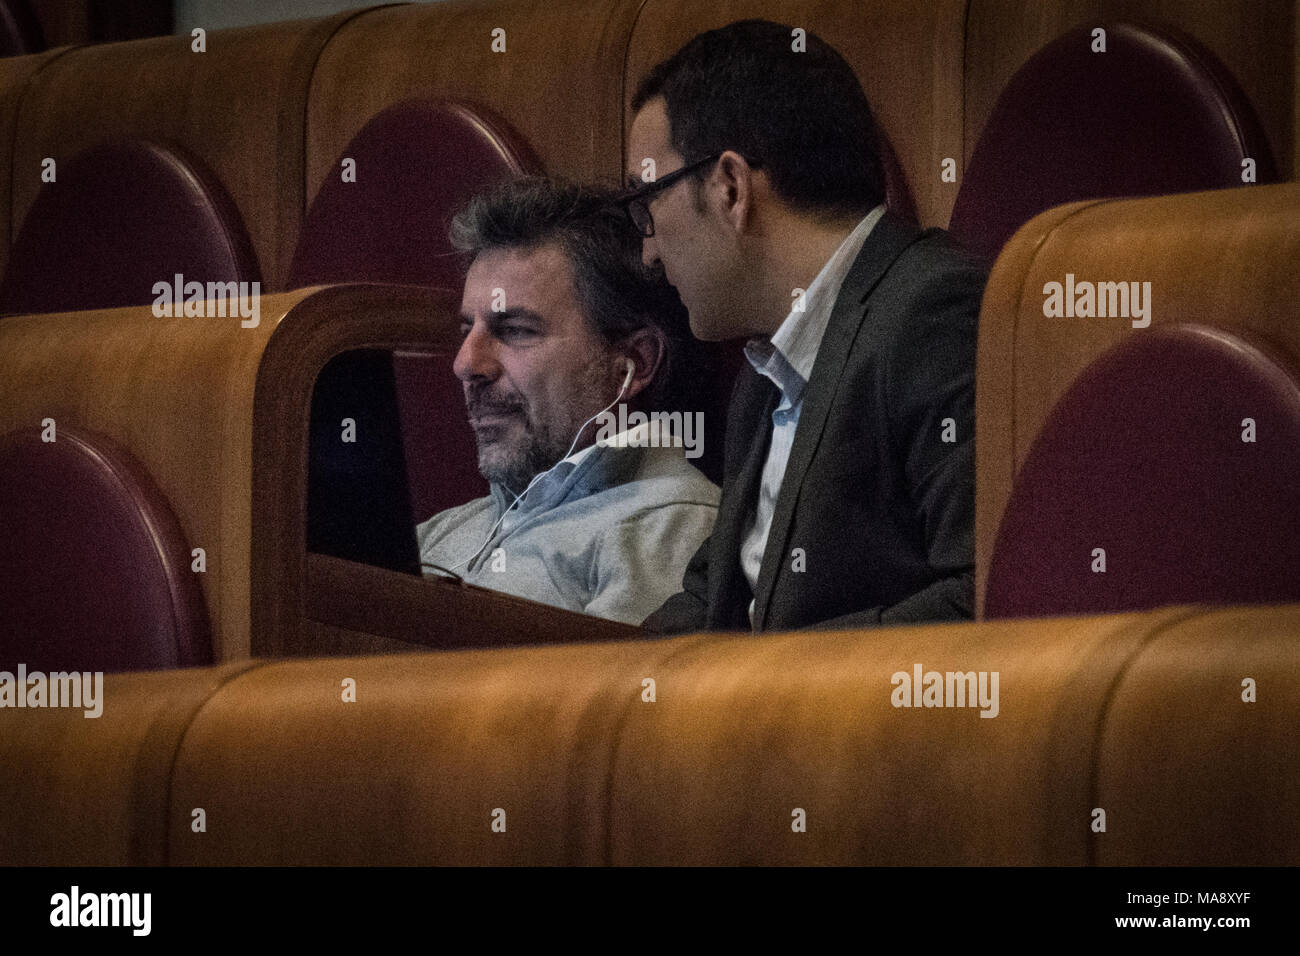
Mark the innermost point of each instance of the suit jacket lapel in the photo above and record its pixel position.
(750, 424)
(885, 243)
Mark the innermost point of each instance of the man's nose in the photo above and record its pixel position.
(477, 357)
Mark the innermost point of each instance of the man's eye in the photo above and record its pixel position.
(515, 332)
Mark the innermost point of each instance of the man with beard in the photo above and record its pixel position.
(561, 322)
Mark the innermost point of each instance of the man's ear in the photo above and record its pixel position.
(648, 350)
(734, 179)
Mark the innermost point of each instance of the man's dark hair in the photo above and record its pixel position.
(801, 115)
(616, 290)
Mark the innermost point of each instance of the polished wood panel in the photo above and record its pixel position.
(88, 21)
(411, 772)
(1190, 773)
(96, 791)
(1138, 714)
(239, 108)
(436, 612)
(1224, 259)
(908, 57)
(558, 83)
(324, 322)
(177, 393)
(756, 727)
(326, 640)
(15, 77)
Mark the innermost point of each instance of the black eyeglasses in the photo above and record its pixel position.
(637, 203)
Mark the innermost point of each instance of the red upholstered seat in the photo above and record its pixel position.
(118, 218)
(1152, 115)
(95, 573)
(417, 164)
(1144, 458)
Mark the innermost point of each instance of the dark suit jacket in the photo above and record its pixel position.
(882, 507)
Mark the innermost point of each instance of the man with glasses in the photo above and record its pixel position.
(848, 493)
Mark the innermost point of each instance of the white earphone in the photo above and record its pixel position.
(627, 380)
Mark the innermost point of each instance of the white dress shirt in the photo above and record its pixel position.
(787, 359)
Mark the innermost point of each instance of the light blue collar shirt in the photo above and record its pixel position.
(787, 359)
(608, 532)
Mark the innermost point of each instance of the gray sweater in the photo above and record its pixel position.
(607, 532)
